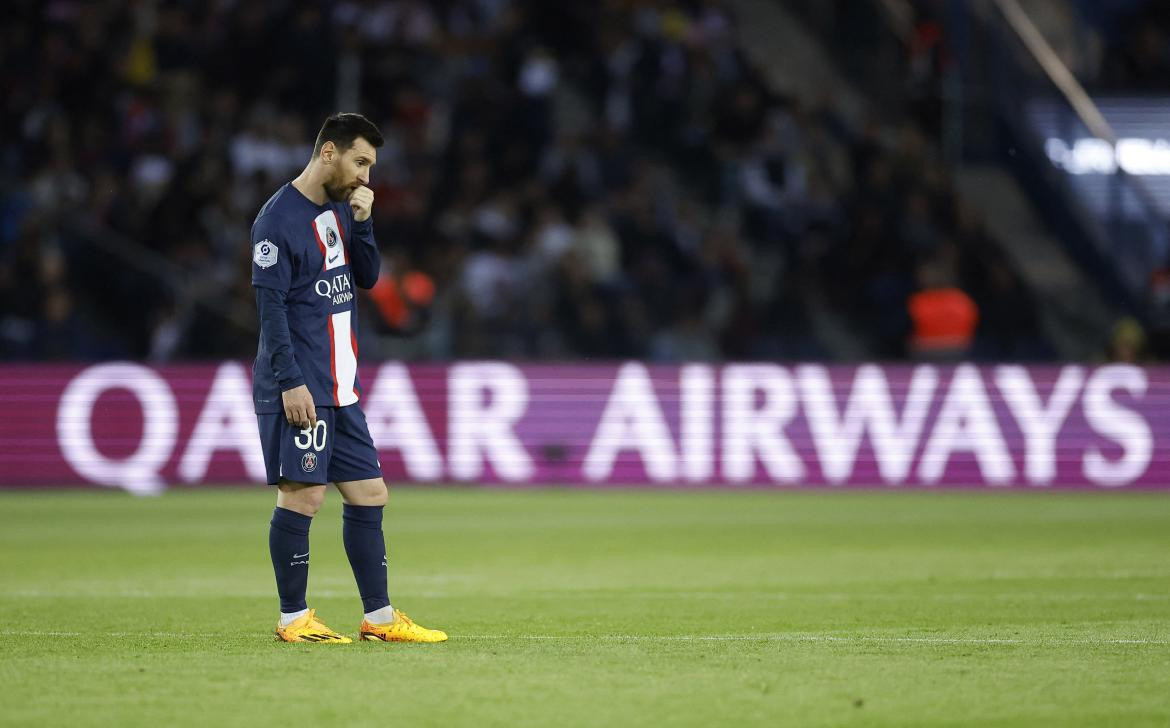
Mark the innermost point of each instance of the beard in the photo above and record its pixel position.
(339, 191)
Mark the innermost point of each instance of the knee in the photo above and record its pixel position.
(364, 493)
(374, 494)
(305, 500)
(379, 495)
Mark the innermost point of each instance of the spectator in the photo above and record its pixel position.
(1127, 344)
(944, 316)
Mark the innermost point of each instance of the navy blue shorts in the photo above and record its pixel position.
(337, 449)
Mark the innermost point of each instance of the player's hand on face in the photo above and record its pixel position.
(362, 202)
(298, 407)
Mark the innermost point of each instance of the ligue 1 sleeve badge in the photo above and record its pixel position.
(264, 254)
(309, 462)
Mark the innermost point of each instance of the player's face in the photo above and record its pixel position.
(351, 170)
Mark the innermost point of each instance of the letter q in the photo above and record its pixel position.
(138, 473)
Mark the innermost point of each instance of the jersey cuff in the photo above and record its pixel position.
(293, 383)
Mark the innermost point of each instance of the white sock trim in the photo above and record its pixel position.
(287, 618)
(385, 615)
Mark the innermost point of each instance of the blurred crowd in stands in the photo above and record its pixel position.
(1121, 45)
(560, 181)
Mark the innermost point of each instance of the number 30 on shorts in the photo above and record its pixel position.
(312, 436)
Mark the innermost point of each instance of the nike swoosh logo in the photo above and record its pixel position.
(300, 556)
(334, 258)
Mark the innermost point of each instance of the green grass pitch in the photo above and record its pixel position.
(599, 608)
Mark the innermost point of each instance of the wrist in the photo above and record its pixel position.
(290, 383)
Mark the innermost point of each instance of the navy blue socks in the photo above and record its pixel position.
(365, 546)
(288, 543)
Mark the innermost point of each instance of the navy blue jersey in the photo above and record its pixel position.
(306, 261)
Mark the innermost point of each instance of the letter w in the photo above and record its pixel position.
(870, 407)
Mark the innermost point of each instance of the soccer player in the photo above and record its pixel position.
(312, 242)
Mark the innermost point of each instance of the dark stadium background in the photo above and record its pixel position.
(666, 181)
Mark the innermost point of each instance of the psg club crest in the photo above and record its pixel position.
(330, 238)
(309, 462)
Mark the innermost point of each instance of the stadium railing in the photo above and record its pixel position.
(1049, 113)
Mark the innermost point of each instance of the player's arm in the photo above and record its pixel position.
(298, 401)
(272, 269)
(365, 261)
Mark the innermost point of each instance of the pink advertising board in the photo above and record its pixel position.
(142, 428)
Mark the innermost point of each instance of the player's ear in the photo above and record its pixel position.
(328, 152)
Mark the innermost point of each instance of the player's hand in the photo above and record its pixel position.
(362, 202)
(298, 407)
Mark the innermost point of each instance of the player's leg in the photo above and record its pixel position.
(288, 544)
(354, 467)
(297, 501)
(365, 544)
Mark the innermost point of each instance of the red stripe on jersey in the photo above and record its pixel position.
(353, 340)
(333, 359)
(321, 245)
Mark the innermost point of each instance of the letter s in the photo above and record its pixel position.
(1127, 428)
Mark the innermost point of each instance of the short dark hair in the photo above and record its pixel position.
(343, 128)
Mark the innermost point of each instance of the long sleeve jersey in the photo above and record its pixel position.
(306, 261)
